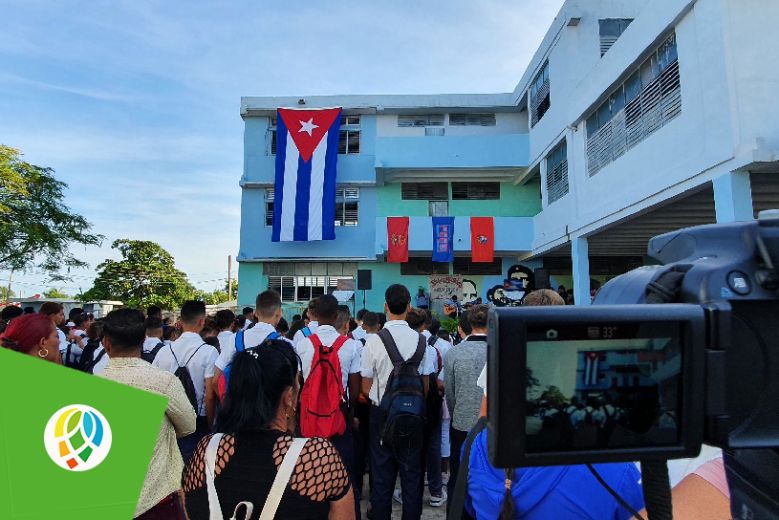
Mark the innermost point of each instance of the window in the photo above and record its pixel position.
(610, 29)
(475, 191)
(423, 266)
(271, 136)
(346, 206)
(424, 191)
(463, 265)
(421, 120)
(647, 100)
(539, 94)
(348, 137)
(471, 119)
(557, 172)
(305, 288)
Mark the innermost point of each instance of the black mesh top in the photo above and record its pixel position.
(246, 465)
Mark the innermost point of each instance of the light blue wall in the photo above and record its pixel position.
(251, 282)
(472, 151)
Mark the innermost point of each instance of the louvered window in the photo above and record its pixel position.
(557, 172)
(346, 206)
(646, 101)
(305, 288)
(471, 119)
(475, 191)
(423, 266)
(420, 120)
(610, 29)
(463, 265)
(539, 94)
(425, 191)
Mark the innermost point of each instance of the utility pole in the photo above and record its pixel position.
(8, 290)
(229, 277)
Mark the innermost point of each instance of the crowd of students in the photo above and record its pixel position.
(300, 421)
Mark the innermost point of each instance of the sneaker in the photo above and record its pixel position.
(397, 496)
(438, 501)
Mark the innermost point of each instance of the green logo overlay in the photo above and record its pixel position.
(77, 437)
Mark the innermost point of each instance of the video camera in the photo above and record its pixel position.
(630, 380)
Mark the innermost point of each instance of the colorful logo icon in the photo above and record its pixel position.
(77, 437)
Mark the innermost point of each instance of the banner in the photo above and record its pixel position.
(304, 191)
(482, 239)
(442, 288)
(72, 445)
(397, 239)
(443, 239)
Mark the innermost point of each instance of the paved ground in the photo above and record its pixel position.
(428, 513)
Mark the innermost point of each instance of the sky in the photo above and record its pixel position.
(135, 104)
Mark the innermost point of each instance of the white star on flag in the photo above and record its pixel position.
(308, 126)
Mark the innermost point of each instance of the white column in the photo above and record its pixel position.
(581, 270)
(733, 197)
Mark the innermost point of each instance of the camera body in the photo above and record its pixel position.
(637, 380)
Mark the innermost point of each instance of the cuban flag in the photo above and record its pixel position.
(591, 368)
(306, 155)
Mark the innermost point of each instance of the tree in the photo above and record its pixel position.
(36, 227)
(5, 293)
(211, 298)
(234, 295)
(55, 293)
(146, 275)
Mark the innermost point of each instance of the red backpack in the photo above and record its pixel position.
(323, 399)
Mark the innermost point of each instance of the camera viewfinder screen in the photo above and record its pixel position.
(603, 386)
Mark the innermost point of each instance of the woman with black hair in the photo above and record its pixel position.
(255, 463)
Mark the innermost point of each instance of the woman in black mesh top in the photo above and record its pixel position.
(256, 420)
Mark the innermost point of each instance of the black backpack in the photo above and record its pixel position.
(149, 356)
(182, 372)
(435, 400)
(403, 404)
(87, 356)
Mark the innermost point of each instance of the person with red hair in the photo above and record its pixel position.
(34, 335)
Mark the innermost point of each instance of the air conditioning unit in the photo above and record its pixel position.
(435, 131)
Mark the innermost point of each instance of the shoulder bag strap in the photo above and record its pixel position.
(416, 359)
(215, 509)
(239, 345)
(193, 354)
(457, 500)
(390, 346)
(174, 357)
(282, 479)
(338, 343)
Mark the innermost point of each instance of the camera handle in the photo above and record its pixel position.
(657, 489)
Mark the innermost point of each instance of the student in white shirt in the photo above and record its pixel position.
(224, 321)
(153, 336)
(359, 333)
(56, 313)
(267, 315)
(311, 325)
(199, 357)
(248, 313)
(376, 369)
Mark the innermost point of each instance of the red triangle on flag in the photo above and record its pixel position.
(308, 127)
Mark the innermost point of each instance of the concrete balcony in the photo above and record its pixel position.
(496, 157)
(513, 235)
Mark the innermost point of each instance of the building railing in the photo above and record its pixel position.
(657, 104)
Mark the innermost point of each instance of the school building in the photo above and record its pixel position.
(634, 118)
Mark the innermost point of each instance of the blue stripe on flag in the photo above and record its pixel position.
(278, 195)
(328, 194)
(302, 196)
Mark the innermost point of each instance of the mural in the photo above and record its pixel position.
(518, 282)
(470, 291)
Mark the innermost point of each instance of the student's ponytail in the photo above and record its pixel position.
(507, 510)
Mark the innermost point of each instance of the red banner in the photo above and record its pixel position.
(482, 239)
(397, 239)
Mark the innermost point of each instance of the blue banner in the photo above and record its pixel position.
(443, 239)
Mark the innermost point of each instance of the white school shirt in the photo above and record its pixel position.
(251, 338)
(299, 336)
(443, 347)
(359, 333)
(225, 337)
(201, 366)
(348, 355)
(63, 340)
(150, 342)
(100, 365)
(82, 337)
(376, 363)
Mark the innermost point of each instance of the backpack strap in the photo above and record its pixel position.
(273, 335)
(215, 509)
(239, 343)
(157, 348)
(96, 361)
(282, 478)
(416, 359)
(432, 340)
(193, 354)
(314, 339)
(390, 346)
(457, 500)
